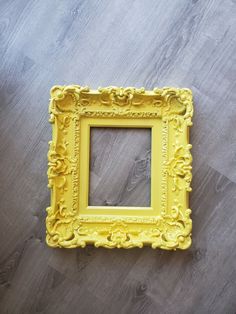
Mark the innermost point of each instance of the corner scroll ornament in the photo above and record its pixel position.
(66, 98)
(176, 105)
(171, 228)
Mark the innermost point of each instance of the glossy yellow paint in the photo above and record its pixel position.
(71, 222)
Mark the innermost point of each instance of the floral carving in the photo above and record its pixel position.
(58, 164)
(179, 168)
(119, 96)
(64, 124)
(170, 103)
(116, 236)
(171, 228)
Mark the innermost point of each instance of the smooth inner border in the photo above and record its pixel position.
(156, 172)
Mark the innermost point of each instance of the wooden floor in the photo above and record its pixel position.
(126, 43)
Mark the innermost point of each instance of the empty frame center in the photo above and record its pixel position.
(120, 167)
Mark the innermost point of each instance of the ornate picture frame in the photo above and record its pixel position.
(70, 221)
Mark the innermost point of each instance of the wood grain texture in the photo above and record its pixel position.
(138, 43)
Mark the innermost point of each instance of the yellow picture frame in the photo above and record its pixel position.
(70, 221)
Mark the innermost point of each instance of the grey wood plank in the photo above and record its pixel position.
(97, 43)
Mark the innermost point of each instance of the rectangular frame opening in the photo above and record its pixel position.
(120, 167)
